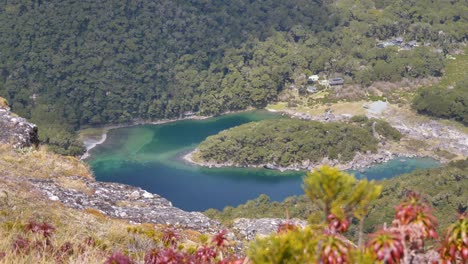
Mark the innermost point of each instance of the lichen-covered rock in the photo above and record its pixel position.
(17, 131)
(126, 202)
(251, 228)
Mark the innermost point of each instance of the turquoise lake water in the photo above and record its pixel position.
(149, 156)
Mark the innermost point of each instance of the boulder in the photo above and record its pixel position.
(17, 131)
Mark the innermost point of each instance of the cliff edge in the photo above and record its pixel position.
(16, 131)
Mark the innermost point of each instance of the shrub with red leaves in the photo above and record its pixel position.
(118, 258)
(45, 229)
(333, 250)
(286, 227)
(20, 245)
(220, 239)
(165, 256)
(2, 255)
(413, 211)
(336, 224)
(387, 245)
(170, 237)
(455, 244)
(66, 248)
(205, 254)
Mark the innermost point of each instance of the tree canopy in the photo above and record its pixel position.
(81, 63)
(287, 142)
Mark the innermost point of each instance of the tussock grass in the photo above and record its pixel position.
(3, 103)
(92, 236)
(77, 236)
(39, 163)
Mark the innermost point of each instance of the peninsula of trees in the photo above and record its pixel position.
(287, 142)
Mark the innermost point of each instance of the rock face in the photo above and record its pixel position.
(250, 228)
(17, 131)
(125, 202)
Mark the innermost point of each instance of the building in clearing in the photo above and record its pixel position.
(313, 78)
(336, 81)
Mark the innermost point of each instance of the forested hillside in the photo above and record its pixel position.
(69, 64)
(449, 98)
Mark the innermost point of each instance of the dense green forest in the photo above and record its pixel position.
(286, 142)
(69, 64)
(444, 103)
(444, 189)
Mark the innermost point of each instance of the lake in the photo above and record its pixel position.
(149, 156)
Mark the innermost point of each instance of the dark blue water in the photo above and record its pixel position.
(149, 157)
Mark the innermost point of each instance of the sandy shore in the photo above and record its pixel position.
(92, 143)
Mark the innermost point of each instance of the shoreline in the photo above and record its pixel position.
(360, 162)
(107, 128)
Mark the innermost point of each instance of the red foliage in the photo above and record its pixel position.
(336, 224)
(334, 251)
(417, 217)
(387, 245)
(220, 239)
(67, 248)
(455, 244)
(45, 229)
(166, 256)
(170, 237)
(20, 245)
(205, 254)
(118, 258)
(2, 255)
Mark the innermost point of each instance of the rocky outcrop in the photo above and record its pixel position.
(251, 228)
(125, 202)
(17, 131)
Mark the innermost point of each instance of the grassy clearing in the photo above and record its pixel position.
(352, 108)
(277, 107)
(455, 70)
(39, 163)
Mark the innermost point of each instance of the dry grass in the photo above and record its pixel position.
(353, 108)
(3, 103)
(39, 163)
(21, 204)
(92, 235)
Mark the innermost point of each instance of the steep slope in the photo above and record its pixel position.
(69, 64)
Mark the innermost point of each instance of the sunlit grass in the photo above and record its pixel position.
(277, 107)
(455, 70)
(39, 163)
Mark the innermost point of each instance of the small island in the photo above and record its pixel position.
(293, 144)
